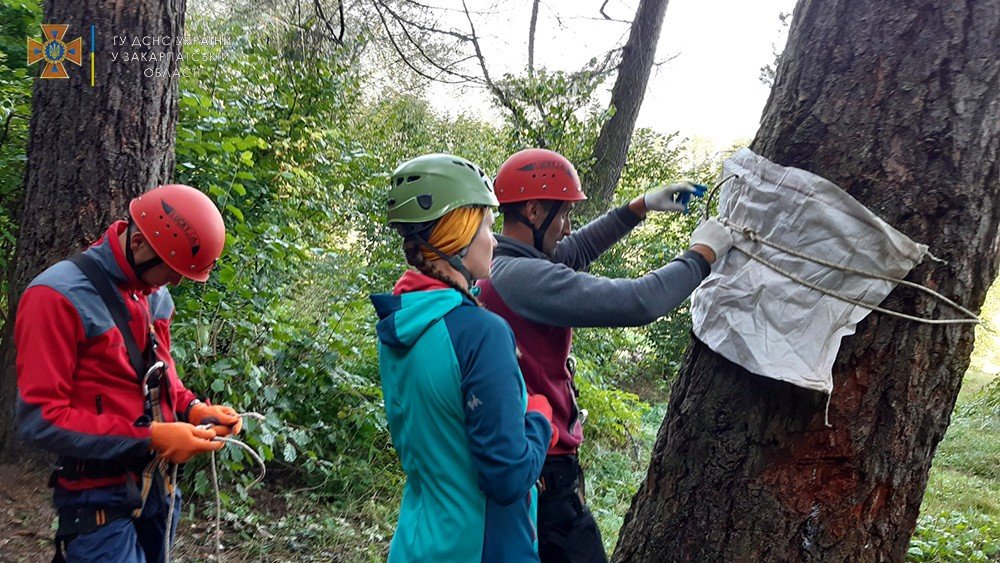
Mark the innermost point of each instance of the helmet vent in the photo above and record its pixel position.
(399, 181)
(425, 201)
(391, 202)
(412, 179)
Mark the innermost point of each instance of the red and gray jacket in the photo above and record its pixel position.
(543, 298)
(78, 395)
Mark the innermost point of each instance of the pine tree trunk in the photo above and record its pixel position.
(897, 102)
(92, 149)
(612, 144)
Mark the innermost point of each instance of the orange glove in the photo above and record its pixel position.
(539, 404)
(224, 419)
(178, 442)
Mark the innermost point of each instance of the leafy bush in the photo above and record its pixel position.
(17, 21)
(955, 536)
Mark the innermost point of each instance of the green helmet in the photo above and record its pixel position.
(424, 189)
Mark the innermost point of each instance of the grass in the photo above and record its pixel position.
(960, 513)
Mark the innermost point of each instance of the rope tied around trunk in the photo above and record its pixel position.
(965, 315)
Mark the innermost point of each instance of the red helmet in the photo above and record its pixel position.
(183, 226)
(537, 174)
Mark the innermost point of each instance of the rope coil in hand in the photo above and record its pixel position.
(172, 489)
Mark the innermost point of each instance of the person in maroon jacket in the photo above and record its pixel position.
(97, 385)
(537, 285)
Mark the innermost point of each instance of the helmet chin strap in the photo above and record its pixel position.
(138, 269)
(538, 233)
(454, 261)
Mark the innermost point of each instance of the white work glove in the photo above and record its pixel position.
(674, 197)
(714, 235)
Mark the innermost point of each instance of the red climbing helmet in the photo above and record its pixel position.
(183, 226)
(537, 174)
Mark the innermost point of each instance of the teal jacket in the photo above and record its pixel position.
(455, 401)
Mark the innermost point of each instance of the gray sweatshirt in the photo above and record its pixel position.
(555, 292)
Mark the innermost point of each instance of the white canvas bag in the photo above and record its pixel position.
(776, 326)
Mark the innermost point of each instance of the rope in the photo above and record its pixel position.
(172, 488)
(826, 412)
(215, 487)
(215, 479)
(752, 236)
(711, 194)
(217, 532)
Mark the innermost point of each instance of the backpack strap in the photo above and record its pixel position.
(113, 301)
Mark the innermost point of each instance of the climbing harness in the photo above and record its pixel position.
(151, 378)
(154, 383)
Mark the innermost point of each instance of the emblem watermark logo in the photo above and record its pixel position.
(54, 51)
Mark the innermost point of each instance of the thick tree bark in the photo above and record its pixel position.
(613, 142)
(896, 102)
(92, 149)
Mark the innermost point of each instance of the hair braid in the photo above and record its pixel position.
(415, 258)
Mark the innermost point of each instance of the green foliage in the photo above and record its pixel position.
(645, 359)
(555, 110)
(299, 163)
(18, 20)
(614, 416)
(955, 536)
(960, 513)
(986, 355)
(613, 474)
(263, 133)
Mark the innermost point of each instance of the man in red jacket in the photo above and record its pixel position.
(537, 284)
(97, 385)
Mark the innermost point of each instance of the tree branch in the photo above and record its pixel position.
(431, 8)
(531, 37)
(404, 24)
(609, 18)
(337, 37)
(666, 60)
(6, 126)
(340, 8)
(516, 112)
(402, 56)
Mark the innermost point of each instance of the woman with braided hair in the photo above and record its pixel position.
(470, 440)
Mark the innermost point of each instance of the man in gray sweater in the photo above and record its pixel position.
(537, 284)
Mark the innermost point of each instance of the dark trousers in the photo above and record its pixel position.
(122, 540)
(567, 532)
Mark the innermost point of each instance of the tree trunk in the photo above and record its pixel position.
(612, 144)
(92, 149)
(897, 103)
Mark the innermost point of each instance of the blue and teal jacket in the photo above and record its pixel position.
(455, 401)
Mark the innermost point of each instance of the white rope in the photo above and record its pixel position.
(172, 488)
(215, 479)
(752, 236)
(217, 532)
(215, 487)
(826, 412)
